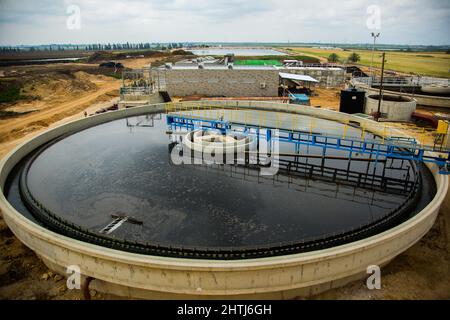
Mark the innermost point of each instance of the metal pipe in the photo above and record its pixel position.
(380, 96)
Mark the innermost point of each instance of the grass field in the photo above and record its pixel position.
(435, 64)
(304, 58)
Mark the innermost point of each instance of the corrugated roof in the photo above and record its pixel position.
(298, 77)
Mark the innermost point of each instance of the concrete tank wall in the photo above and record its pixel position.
(422, 100)
(282, 277)
(135, 100)
(393, 108)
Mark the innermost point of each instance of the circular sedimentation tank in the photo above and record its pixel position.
(110, 195)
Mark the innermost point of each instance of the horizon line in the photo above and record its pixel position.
(227, 42)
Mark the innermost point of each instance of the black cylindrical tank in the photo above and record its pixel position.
(352, 101)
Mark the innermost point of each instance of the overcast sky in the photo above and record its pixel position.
(342, 21)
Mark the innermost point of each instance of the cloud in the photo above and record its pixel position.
(402, 21)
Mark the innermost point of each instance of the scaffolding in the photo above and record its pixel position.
(137, 82)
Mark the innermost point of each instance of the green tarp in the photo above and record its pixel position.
(257, 63)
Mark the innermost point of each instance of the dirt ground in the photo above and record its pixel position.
(138, 63)
(58, 104)
(422, 272)
(326, 98)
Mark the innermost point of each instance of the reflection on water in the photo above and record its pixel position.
(123, 168)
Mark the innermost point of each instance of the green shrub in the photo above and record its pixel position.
(333, 57)
(10, 93)
(354, 57)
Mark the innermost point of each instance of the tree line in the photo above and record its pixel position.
(94, 47)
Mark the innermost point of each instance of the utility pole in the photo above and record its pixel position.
(380, 95)
(375, 36)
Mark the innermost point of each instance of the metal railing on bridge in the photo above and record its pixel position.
(385, 146)
(400, 81)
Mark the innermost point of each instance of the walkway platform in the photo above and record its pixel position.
(387, 147)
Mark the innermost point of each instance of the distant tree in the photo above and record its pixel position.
(354, 57)
(333, 57)
(448, 51)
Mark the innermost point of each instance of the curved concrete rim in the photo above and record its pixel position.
(391, 98)
(64, 251)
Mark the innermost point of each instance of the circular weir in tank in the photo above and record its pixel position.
(214, 141)
(116, 185)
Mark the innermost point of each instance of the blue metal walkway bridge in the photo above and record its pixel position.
(388, 147)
